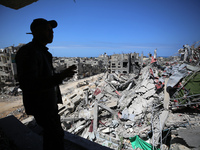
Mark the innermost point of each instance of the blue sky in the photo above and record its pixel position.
(88, 28)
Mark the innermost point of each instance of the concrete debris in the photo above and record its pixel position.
(119, 107)
(187, 133)
(150, 98)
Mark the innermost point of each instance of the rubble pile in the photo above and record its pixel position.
(155, 107)
(136, 102)
(6, 91)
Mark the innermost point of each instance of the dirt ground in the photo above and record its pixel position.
(9, 105)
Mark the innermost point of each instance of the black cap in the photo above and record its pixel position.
(40, 22)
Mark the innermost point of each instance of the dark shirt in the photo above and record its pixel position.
(37, 79)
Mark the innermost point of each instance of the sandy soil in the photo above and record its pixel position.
(9, 105)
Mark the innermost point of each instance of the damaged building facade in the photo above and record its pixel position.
(8, 70)
(120, 63)
(124, 63)
(85, 66)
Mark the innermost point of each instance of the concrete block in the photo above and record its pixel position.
(111, 103)
(27, 120)
(76, 100)
(86, 114)
(191, 136)
(149, 93)
(150, 86)
(106, 130)
(141, 90)
(144, 83)
(99, 96)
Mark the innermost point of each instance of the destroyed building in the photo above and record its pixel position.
(155, 109)
(121, 63)
(85, 66)
(8, 70)
(121, 112)
(159, 110)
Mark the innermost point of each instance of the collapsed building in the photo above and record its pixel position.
(155, 108)
(121, 63)
(158, 106)
(85, 66)
(120, 111)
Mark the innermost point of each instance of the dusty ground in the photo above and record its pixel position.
(13, 105)
(9, 105)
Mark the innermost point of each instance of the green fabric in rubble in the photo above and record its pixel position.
(136, 142)
(193, 85)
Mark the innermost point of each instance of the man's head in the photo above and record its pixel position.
(42, 30)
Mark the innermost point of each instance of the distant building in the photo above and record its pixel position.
(85, 66)
(124, 63)
(8, 69)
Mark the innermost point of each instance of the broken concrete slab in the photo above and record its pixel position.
(99, 96)
(85, 113)
(150, 85)
(106, 130)
(149, 93)
(76, 100)
(112, 102)
(27, 120)
(138, 106)
(180, 147)
(191, 136)
(141, 90)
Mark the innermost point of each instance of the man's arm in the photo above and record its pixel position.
(28, 66)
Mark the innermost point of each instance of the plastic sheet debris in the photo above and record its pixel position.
(136, 142)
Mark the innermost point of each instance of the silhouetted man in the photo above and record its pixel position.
(39, 83)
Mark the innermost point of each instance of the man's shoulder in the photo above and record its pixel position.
(27, 50)
(27, 46)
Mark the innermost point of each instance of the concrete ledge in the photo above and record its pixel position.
(24, 138)
(20, 135)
